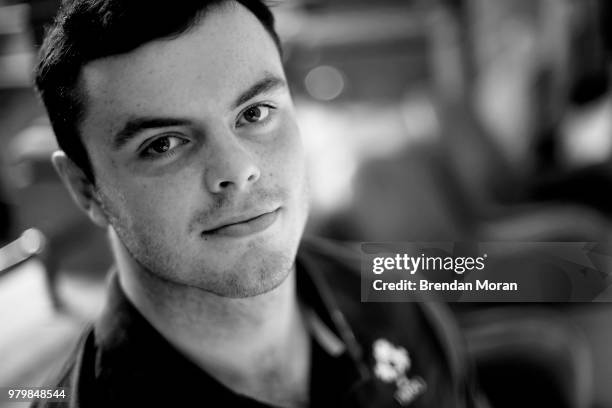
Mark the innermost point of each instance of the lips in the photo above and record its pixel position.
(244, 224)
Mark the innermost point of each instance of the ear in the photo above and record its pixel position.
(80, 187)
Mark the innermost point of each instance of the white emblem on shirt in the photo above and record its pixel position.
(392, 365)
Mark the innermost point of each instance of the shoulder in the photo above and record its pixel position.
(335, 268)
(423, 325)
(329, 252)
(338, 264)
(74, 375)
(334, 262)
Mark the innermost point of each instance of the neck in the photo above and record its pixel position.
(248, 344)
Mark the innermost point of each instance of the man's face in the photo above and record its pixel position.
(197, 156)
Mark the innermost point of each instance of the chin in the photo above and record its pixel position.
(260, 267)
(232, 268)
(254, 276)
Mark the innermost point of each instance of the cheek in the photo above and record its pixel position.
(285, 157)
(153, 205)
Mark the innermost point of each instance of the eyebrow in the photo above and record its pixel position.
(268, 83)
(138, 124)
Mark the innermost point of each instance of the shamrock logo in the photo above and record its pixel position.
(392, 364)
(391, 361)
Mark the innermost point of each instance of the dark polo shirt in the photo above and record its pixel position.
(122, 361)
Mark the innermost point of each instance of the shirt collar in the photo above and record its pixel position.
(130, 347)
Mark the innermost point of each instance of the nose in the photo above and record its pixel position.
(230, 165)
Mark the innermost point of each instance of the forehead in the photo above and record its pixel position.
(201, 69)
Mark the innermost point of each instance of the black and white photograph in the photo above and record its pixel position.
(306, 203)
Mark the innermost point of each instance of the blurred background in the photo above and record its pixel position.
(424, 120)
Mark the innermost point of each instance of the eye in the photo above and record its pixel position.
(162, 145)
(254, 114)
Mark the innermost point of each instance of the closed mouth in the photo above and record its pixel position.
(244, 225)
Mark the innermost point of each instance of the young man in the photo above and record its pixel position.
(178, 135)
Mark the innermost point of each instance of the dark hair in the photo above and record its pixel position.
(86, 30)
(606, 25)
